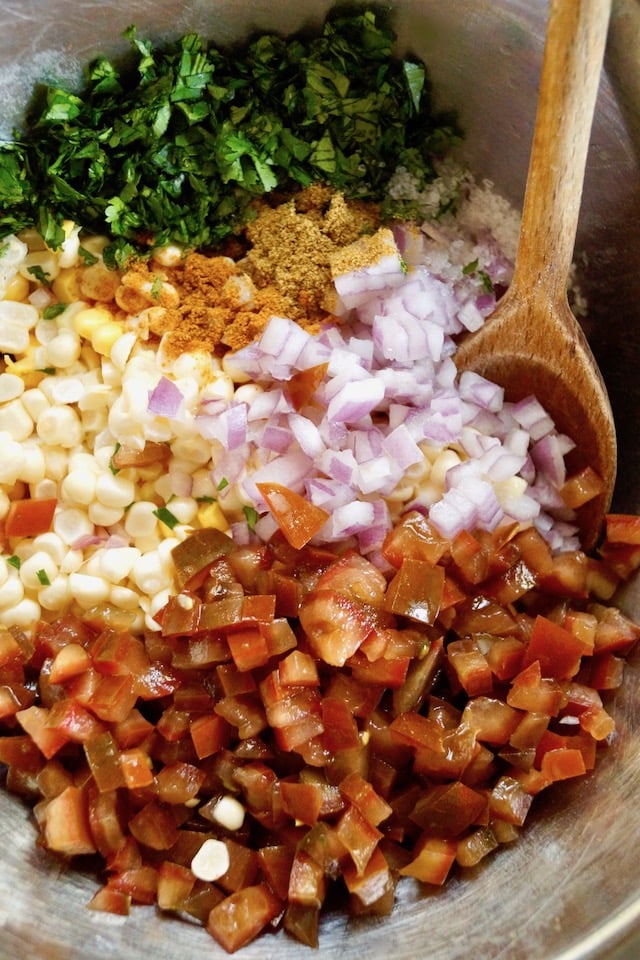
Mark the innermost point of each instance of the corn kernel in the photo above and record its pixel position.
(66, 286)
(104, 338)
(87, 322)
(17, 288)
(211, 515)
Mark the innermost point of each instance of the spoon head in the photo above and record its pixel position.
(543, 352)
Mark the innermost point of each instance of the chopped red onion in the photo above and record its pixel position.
(166, 399)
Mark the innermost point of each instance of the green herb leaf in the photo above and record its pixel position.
(39, 274)
(43, 578)
(251, 516)
(87, 258)
(166, 517)
(178, 148)
(14, 561)
(53, 310)
(223, 483)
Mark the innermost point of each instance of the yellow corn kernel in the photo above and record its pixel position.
(87, 322)
(17, 288)
(104, 337)
(25, 368)
(147, 491)
(210, 515)
(66, 286)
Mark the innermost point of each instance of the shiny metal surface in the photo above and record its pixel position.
(570, 888)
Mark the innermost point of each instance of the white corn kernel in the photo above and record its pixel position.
(38, 571)
(35, 402)
(88, 591)
(57, 595)
(23, 614)
(79, 486)
(15, 420)
(11, 387)
(116, 563)
(40, 260)
(5, 503)
(63, 350)
(73, 560)
(71, 523)
(121, 350)
(114, 490)
(229, 813)
(446, 460)
(11, 460)
(57, 462)
(184, 509)
(51, 544)
(147, 573)
(211, 861)
(141, 520)
(43, 490)
(124, 597)
(61, 426)
(34, 467)
(67, 389)
(11, 591)
(103, 516)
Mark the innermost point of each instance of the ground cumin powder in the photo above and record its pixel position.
(216, 303)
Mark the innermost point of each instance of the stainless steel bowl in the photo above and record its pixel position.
(569, 889)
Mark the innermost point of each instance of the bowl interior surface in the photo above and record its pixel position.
(570, 887)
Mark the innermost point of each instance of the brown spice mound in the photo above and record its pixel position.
(224, 305)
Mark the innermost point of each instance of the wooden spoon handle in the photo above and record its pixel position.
(576, 37)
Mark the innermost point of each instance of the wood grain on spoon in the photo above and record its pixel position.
(532, 343)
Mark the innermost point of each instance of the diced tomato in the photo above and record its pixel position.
(357, 836)
(340, 728)
(623, 528)
(35, 722)
(108, 900)
(509, 801)
(248, 649)
(239, 918)
(154, 826)
(470, 667)
(581, 487)
(433, 861)
(446, 810)
(563, 763)
(335, 624)
(414, 538)
(307, 881)
(209, 734)
(474, 847)
(373, 884)
(29, 518)
(175, 883)
(66, 824)
(534, 693)
(140, 883)
(416, 591)
(492, 720)
(300, 388)
(558, 650)
(298, 518)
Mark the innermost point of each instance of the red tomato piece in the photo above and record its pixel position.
(416, 591)
(108, 900)
(446, 810)
(297, 517)
(558, 651)
(175, 883)
(433, 861)
(66, 824)
(29, 518)
(300, 388)
(414, 538)
(562, 764)
(239, 918)
(623, 528)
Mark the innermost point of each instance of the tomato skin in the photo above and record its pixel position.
(433, 862)
(558, 651)
(416, 591)
(335, 624)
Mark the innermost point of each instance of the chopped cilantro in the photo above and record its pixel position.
(223, 483)
(251, 516)
(53, 310)
(39, 274)
(483, 276)
(470, 267)
(87, 258)
(48, 370)
(206, 500)
(14, 561)
(179, 148)
(43, 578)
(165, 516)
(156, 287)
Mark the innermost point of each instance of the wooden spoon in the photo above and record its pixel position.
(532, 343)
